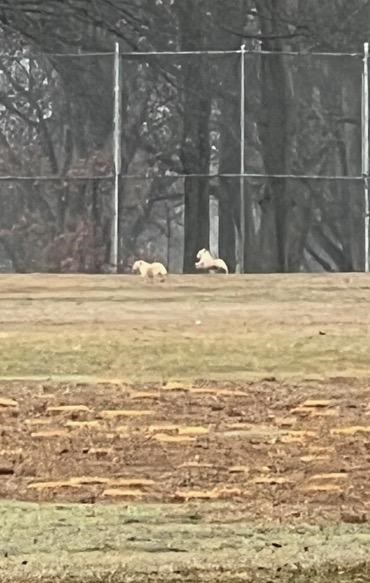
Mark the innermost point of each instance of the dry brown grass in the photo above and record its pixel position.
(190, 327)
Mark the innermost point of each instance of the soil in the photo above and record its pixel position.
(281, 451)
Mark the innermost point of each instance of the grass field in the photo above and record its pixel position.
(190, 327)
(207, 429)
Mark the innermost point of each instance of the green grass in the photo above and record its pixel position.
(171, 543)
(167, 353)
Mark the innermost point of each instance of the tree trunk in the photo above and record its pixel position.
(195, 147)
(349, 154)
(229, 207)
(274, 126)
(229, 38)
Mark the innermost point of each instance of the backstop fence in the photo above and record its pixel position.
(110, 156)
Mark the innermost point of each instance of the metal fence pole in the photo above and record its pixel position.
(365, 149)
(242, 160)
(117, 157)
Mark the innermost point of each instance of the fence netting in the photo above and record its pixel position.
(56, 162)
(179, 188)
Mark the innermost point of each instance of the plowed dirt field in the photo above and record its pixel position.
(284, 451)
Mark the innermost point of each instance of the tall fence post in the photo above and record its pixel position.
(365, 150)
(117, 157)
(242, 161)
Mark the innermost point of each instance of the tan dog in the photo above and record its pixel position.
(150, 271)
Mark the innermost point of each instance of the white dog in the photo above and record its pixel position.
(150, 270)
(209, 263)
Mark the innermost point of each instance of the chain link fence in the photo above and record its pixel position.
(107, 157)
